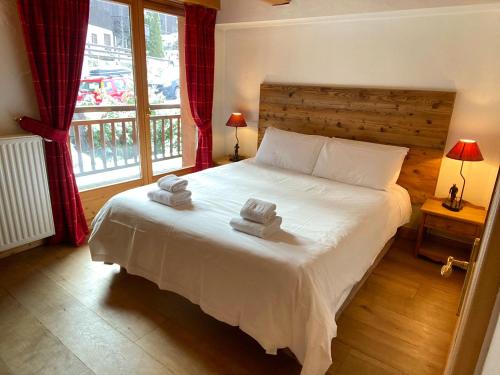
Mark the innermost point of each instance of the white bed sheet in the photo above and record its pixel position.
(283, 291)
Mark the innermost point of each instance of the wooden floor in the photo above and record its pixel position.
(62, 314)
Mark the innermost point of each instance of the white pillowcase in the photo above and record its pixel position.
(360, 163)
(289, 150)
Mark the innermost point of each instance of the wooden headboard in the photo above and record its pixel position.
(413, 118)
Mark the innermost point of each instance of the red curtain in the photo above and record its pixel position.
(55, 33)
(200, 56)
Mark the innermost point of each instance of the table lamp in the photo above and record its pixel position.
(236, 120)
(464, 150)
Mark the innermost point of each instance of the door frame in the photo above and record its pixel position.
(480, 298)
(141, 84)
(93, 199)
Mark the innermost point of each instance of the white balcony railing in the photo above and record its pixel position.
(101, 145)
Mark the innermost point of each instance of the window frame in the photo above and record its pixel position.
(94, 198)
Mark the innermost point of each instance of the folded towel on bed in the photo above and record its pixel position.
(170, 199)
(172, 183)
(259, 211)
(256, 229)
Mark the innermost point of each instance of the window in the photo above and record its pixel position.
(89, 85)
(107, 39)
(107, 136)
(120, 84)
(162, 51)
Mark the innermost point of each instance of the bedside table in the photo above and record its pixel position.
(466, 224)
(226, 160)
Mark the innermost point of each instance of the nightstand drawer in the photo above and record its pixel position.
(454, 227)
(465, 225)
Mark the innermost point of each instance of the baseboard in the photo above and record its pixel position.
(20, 249)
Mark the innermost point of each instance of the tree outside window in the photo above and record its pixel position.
(154, 47)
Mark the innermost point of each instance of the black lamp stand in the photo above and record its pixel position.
(451, 204)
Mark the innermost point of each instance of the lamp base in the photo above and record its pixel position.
(452, 206)
(235, 156)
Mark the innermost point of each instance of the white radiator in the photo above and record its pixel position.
(25, 210)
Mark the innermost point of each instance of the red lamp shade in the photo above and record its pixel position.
(465, 150)
(236, 120)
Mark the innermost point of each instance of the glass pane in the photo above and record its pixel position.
(104, 141)
(162, 51)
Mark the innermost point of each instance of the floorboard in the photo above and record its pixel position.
(61, 313)
(28, 347)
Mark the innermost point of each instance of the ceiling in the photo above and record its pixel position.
(259, 10)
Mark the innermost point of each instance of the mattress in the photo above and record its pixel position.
(283, 291)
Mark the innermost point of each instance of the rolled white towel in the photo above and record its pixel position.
(170, 199)
(259, 211)
(172, 183)
(256, 229)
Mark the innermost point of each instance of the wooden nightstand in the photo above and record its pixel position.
(465, 225)
(225, 160)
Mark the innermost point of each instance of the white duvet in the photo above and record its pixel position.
(283, 291)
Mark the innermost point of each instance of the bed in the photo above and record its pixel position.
(284, 291)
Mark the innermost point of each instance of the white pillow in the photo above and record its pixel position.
(289, 150)
(360, 163)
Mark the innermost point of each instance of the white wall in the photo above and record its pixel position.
(447, 49)
(259, 10)
(17, 95)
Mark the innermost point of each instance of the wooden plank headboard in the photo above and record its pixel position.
(413, 118)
